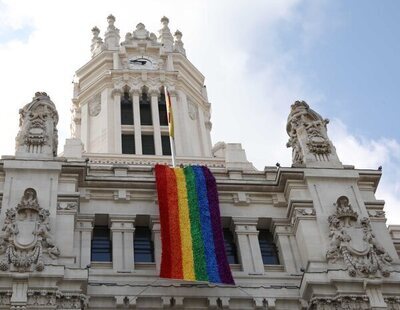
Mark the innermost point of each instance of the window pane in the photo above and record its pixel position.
(162, 110)
(145, 110)
(230, 247)
(128, 144)
(143, 245)
(166, 146)
(148, 145)
(101, 244)
(268, 248)
(126, 110)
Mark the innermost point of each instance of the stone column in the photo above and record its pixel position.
(156, 121)
(136, 122)
(283, 233)
(116, 94)
(156, 237)
(177, 123)
(248, 245)
(122, 229)
(84, 239)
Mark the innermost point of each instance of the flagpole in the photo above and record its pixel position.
(172, 142)
(171, 130)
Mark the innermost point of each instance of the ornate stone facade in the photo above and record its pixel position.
(293, 243)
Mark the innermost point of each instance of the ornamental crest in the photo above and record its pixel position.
(26, 235)
(354, 241)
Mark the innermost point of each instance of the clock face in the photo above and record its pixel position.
(141, 63)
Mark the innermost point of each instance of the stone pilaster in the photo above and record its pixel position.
(136, 122)
(156, 121)
(116, 94)
(283, 235)
(122, 229)
(156, 237)
(248, 246)
(83, 237)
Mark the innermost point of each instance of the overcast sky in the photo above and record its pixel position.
(258, 57)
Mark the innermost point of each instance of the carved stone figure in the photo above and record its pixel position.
(308, 137)
(354, 242)
(348, 302)
(111, 37)
(141, 33)
(178, 44)
(38, 136)
(26, 235)
(97, 42)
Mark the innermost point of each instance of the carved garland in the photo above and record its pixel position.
(26, 234)
(355, 243)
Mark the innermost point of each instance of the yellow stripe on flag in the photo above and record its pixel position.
(184, 224)
(169, 112)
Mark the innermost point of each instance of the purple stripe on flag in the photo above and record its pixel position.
(222, 261)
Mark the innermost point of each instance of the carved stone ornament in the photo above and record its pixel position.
(95, 105)
(38, 134)
(352, 302)
(307, 133)
(354, 242)
(192, 109)
(26, 235)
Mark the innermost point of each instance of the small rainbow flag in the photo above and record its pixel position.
(191, 232)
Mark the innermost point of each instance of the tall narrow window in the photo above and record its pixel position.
(230, 247)
(143, 245)
(162, 110)
(101, 244)
(145, 109)
(268, 248)
(128, 144)
(148, 145)
(166, 146)
(126, 110)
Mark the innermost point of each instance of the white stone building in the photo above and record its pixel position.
(81, 230)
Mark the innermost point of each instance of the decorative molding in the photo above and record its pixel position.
(354, 242)
(351, 302)
(95, 105)
(26, 234)
(376, 213)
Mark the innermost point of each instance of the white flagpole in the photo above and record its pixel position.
(172, 142)
(168, 103)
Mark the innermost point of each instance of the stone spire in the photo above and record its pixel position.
(165, 36)
(178, 44)
(37, 137)
(308, 138)
(111, 37)
(97, 42)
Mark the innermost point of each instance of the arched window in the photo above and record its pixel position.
(268, 248)
(145, 108)
(126, 109)
(162, 109)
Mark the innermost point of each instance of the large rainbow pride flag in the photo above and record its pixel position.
(191, 232)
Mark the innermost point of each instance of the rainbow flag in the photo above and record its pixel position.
(191, 232)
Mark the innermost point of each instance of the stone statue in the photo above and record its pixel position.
(38, 136)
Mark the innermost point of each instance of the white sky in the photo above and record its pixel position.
(249, 82)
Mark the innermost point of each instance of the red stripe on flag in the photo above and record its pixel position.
(175, 233)
(165, 268)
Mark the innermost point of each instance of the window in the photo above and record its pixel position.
(166, 146)
(162, 110)
(128, 144)
(101, 244)
(143, 245)
(145, 109)
(230, 247)
(268, 248)
(148, 145)
(126, 110)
